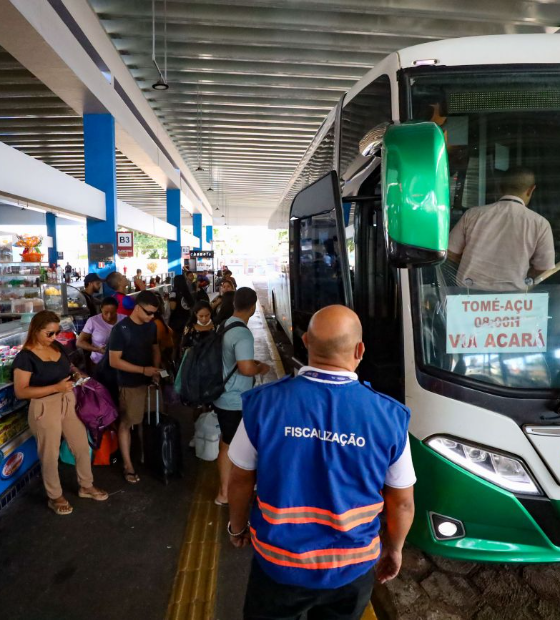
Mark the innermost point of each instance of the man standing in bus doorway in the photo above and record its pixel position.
(500, 245)
(329, 454)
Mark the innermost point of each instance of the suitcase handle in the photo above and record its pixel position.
(150, 402)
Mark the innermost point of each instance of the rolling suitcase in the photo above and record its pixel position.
(162, 441)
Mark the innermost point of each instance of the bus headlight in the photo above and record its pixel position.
(504, 471)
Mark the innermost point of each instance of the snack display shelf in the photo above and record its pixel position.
(17, 407)
(17, 287)
(17, 457)
(7, 435)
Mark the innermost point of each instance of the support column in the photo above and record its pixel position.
(174, 218)
(101, 172)
(197, 228)
(51, 232)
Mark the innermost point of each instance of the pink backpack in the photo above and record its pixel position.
(95, 408)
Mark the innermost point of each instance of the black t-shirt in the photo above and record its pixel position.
(135, 341)
(184, 300)
(43, 373)
(92, 304)
(225, 310)
(192, 337)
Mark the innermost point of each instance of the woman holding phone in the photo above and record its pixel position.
(43, 374)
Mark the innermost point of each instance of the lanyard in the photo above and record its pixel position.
(325, 376)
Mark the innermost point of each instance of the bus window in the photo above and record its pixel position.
(316, 272)
(491, 312)
(367, 111)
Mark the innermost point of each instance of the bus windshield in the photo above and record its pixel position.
(491, 312)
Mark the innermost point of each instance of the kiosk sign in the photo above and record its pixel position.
(502, 323)
(202, 253)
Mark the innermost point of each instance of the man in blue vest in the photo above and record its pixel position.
(330, 454)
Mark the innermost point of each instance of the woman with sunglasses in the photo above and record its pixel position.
(43, 374)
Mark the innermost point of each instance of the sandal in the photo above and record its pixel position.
(131, 477)
(61, 509)
(219, 503)
(92, 493)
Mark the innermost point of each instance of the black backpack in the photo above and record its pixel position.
(200, 380)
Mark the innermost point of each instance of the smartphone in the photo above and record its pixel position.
(81, 381)
(163, 374)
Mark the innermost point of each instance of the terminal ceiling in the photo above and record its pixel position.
(250, 82)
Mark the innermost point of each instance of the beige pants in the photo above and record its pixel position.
(50, 419)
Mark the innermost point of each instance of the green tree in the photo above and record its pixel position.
(148, 246)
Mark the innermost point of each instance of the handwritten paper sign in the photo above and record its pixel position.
(502, 323)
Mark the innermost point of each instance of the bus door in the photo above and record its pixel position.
(374, 287)
(319, 274)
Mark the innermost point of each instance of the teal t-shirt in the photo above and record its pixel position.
(238, 346)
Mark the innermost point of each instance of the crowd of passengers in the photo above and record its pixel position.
(329, 453)
(128, 342)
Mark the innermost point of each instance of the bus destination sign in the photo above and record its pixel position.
(503, 323)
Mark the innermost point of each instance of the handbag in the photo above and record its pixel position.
(95, 408)
(207, 436)
(66, 455)
(109, 445)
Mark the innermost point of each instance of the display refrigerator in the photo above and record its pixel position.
(21, 288)
(18, 448)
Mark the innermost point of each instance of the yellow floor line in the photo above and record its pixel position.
(194, 590)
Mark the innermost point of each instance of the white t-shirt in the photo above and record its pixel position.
(243, 454)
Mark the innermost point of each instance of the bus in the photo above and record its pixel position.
(429, 133)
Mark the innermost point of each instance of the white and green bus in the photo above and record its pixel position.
(422, 138)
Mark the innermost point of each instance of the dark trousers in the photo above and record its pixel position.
(267, 599)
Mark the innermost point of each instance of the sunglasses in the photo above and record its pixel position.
(51, 334)
(148, 312)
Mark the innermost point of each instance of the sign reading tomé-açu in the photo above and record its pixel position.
(502, 323)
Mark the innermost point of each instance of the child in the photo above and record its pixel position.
(199, 325)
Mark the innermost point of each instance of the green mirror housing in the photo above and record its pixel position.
(415, 189)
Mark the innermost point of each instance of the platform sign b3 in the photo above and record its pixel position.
(125, 244)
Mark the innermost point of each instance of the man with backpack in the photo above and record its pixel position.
(134, 352)
(238, 351)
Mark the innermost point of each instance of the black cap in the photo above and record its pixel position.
(91, 277)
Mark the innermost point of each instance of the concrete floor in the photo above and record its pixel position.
(109, 560)
(117, 559)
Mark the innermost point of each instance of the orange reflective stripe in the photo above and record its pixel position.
(307, 514)
(318, 559)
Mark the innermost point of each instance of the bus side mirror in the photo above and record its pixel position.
(415, 189)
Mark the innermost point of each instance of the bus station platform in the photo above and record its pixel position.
(151, 552)
(155, 552)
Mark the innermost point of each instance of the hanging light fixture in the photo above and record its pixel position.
(210, 170)
(198, 131)
(161, 84)
(220, 190)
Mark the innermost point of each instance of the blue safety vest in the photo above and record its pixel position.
(323, 454)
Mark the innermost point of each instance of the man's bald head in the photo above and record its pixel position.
(333, 337)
